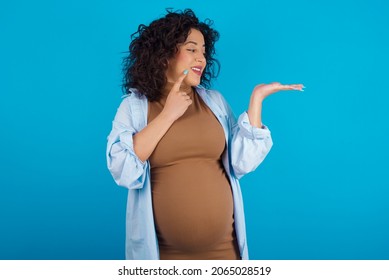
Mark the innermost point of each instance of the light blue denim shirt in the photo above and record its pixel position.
(247, 146)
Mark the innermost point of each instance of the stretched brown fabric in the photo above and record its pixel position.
(192, 199)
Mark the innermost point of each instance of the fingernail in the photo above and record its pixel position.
(186, 72)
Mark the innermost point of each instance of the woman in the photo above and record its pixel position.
(178, 148)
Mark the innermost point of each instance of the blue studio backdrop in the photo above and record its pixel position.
(322, 192)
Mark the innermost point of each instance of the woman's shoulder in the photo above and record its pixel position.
(213, 94)
(133, 97)
(132, 101)
(134, 94)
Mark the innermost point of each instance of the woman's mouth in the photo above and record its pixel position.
(197, 70)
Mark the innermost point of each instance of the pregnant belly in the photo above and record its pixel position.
(193, 205)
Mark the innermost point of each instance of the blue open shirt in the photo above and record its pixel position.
(247, 146)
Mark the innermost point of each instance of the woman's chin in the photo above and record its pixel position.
(194, 83)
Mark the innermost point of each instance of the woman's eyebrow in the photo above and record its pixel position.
(192, 42)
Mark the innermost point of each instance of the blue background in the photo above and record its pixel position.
(322, 192)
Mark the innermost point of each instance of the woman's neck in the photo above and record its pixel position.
(184, 88)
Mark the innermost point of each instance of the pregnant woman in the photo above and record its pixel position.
(178, 148)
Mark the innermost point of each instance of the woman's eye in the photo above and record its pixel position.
(191, 50)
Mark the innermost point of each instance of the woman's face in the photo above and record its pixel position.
(190, 56)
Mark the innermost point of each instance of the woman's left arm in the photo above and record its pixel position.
(251, 140)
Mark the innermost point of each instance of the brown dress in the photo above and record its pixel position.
(192, 198)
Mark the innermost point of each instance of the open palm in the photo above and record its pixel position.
(264, 90)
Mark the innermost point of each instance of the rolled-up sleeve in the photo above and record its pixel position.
(249, 146)
(125, 166)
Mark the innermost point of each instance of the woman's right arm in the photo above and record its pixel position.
(147, 139)
(126, 168)
(176, 104)
(129, 149)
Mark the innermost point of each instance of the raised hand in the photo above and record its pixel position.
(259, 93)
(177, 101)
(263, 90)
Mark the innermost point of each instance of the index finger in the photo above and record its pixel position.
(181, 78)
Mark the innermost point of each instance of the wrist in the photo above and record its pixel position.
(257, 97)
(166, 118)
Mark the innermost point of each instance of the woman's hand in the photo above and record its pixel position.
(259, 93)
(264, 90)
(177, 102)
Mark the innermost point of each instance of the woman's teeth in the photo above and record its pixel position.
(197, 70)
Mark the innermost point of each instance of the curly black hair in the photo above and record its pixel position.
(152, 46)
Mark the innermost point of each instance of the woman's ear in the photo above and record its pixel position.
(166, 63)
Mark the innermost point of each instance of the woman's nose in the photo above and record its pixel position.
(200, 58)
